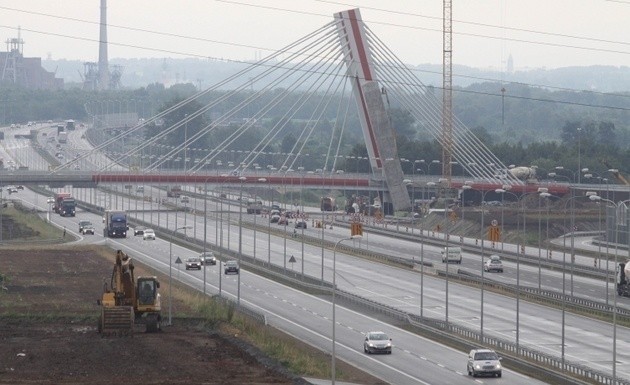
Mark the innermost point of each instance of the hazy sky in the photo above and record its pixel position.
(537, 33)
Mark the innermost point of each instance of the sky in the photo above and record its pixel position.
(535, 33)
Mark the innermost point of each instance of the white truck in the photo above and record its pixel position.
(62, 137)
(452, 255)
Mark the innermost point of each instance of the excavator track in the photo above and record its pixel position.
(117, 320)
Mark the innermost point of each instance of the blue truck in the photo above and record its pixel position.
(116, 225)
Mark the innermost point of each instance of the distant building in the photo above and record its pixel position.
(23, 71)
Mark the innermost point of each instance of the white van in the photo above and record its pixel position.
(452, 255)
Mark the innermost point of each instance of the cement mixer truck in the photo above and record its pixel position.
(526, 174)
(623, 279)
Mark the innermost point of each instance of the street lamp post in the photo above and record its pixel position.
(334, 289)
(614, 360)
(261, 180)
(170, 275)
(240, 239)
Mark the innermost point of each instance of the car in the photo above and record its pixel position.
(184, 199)
(12, 189)
(493, 264)
(231, 267)
(140, 189)
(208, 258)
(300, 224)
(138, 230)
(377, 342)
(148, 234)
(88, 229)
(274, 218)
(20, 187)
(50, 200)
(483, 362)
(83, 224)
(193, 263)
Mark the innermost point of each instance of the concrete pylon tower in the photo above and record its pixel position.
(103, 67)
(378, 133)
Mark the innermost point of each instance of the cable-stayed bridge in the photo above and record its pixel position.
(313, 96)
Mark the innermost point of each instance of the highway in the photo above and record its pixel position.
(414, 360)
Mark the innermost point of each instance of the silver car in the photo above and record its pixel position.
(377, 342)
(483, 362)
(493, 264)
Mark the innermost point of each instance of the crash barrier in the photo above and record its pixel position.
(523, 356)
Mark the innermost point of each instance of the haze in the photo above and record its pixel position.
(536, 33)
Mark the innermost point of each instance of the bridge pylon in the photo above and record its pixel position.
(378, 133)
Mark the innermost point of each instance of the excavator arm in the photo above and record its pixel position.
(622, 179)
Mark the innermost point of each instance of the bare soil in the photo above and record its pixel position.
(48, 332)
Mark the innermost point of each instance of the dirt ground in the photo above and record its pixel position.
(48, 332)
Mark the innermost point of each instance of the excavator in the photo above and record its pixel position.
(127, 300)
(622, 179)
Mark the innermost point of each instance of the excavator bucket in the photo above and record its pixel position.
(116, 320)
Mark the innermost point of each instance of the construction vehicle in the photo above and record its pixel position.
(116, 225)
(127, 300)
(526, 174)
(623, 279)
(622, 179)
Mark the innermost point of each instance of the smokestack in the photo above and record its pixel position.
(103, 68)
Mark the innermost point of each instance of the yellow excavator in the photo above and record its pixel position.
(619, 176)
(127, 300)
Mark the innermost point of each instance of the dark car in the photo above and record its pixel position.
(208, 258)
(138, 231)
(300, 224)
(193, 263)
(231, 267)
(83, 224)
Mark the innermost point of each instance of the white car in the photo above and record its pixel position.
(483, 362)
(148, 234)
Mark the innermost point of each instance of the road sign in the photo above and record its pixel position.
(356, 229)
(178, 261)
(494, 233)
(292, 259)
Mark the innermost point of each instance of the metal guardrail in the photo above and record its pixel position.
(550, 365)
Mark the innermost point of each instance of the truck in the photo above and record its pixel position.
(128, 300)
(116, 225)
(173, 191)
(60, 196)
(254, 206)
(62, 137)
(452, 254)
(526, 174)
(328, 204)
(623, 279)
(70, 126)
(67, 207)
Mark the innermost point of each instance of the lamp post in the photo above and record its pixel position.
(334, 289)
(614, 360)
(261, 180)
(170, 275)
(240, 239)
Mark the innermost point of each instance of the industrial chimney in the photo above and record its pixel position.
(103, 68)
